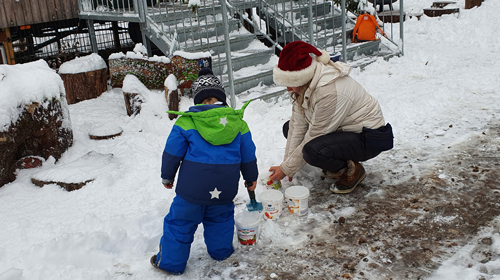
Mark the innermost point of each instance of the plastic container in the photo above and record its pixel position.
(247, 227)
(272, 203)
(266, 181)
(297, 200)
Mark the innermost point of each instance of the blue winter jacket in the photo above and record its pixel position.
(212, 144)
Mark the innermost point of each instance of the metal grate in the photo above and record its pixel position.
(60, 41)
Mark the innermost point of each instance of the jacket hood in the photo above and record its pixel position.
(331, 72)
(217, 124)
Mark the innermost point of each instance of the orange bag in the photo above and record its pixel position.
(366, 28)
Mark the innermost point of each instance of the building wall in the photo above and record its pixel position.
(24, 12)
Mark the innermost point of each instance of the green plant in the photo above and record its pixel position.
(189, 76)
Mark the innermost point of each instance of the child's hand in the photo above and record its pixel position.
(169, 185)
(251, 185)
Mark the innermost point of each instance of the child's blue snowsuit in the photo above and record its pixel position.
(212, 145)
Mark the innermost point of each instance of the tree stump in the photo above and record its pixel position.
(84, 77)
(442, 4)
(173, 103)
(36, 122)
(67, 186)
(469, 4)
(153, 73)
(437, 12)
(106, 131)
(390, 16)
(86, 85)
(39, 131)
(133, 103)
(76, 174)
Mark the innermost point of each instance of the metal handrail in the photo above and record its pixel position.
(174, 26)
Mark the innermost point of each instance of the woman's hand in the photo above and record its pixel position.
(277, 174)
(169, 185)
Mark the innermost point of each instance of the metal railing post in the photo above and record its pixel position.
(344, 39)
(401, 31)
(228, 53)
(310, 22)
(93, 40)
(143, 12)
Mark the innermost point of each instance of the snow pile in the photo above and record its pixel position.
(83, 64)
(140, 52)
(23, 84)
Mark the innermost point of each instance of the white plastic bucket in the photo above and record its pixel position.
(297, 200)
(272, 203)
(247, 227)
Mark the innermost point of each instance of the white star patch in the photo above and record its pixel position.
(215, 193)
(223, 121)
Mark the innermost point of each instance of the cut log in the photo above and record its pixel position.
(153, 73)
(39, 131)
(173, 103)
(67, 186)
(469, 4)
(106, 131)
(133, 102)
(85, 85)
(442, 4)
(390, 16)
(29, 162)
(76, 174)
(437, 12)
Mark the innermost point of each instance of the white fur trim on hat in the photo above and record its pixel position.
(294, 78)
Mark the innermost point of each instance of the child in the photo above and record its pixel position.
(211, 143)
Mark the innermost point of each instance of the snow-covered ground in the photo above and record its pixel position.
(441, 96)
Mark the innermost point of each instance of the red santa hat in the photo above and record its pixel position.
(296, 66)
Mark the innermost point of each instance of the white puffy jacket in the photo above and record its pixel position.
(333, 102)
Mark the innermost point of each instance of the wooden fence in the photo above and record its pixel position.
(25, 12)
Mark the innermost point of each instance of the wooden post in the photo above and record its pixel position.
(7, 43)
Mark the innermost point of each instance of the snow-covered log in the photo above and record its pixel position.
(34, 116)
(84, 78)
(153, 71)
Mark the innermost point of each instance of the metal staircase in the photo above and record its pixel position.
(250, 33)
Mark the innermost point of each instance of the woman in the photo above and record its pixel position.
(335, 123)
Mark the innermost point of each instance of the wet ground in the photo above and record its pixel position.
(400, 231)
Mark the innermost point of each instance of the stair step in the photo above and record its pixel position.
(177, 13)
(317, 10)
(237, 42)
(241, 84)
(363, 48)
(265, 93)
(241, 59)
(199, 30)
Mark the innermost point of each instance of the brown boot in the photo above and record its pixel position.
(153, 261)
(350, 179)
(333, 175)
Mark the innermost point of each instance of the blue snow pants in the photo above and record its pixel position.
(179, 227)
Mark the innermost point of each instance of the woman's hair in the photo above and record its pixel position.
(298, 97)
